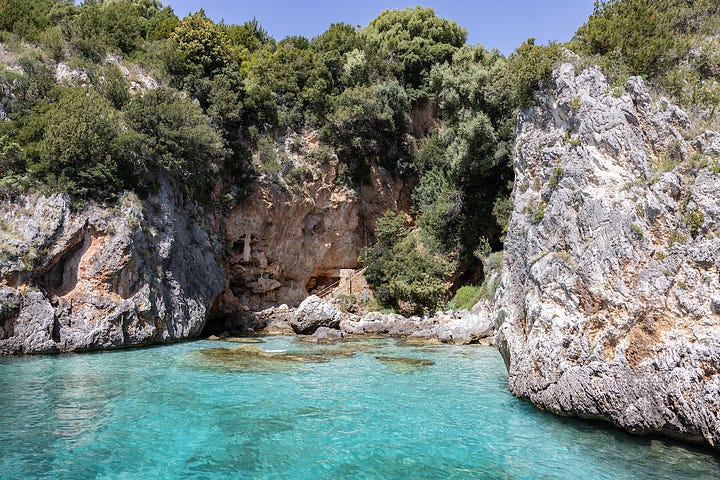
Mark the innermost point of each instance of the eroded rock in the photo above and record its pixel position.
(145, 272)
(314, 313)
(607, 306)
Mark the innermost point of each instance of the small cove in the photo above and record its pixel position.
(288, 409)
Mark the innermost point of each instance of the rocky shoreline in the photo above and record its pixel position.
(323, 321)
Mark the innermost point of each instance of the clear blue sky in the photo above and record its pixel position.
(503, 24)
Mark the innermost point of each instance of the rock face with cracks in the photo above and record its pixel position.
(145, 272)
(610, 296)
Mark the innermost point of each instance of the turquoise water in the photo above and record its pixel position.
(184, 411)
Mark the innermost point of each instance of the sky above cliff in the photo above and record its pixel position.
(500, 24)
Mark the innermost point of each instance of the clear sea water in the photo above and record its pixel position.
(193, 411)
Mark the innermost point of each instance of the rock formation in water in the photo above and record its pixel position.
(609, 306)
(143, 272)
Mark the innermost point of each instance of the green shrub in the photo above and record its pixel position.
(170, 131)
(664, 163)
(694, 221)
(80, 147)
(297, 177)
(637, 230)
(465, 298)
(529, 67)
(267, 156)
(403, 272)
(539, 212)
(555, 177)
(675, 237)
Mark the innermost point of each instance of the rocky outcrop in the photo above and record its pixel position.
(289, 237)
(313, 313)
(143, 272)
(609, 302)
(448, 327)
(317, 317)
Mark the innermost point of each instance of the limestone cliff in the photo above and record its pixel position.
(285, 241)
(143, 272)
(609, 305)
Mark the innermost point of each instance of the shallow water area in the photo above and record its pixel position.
(288, 409)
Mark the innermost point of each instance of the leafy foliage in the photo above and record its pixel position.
(671, 42)
(411, 41)
(368, 124)
(26, 18)
(202, 46)
(171, 132)
(465, 298)
(404, 274)
(295, 95)
(79, 149)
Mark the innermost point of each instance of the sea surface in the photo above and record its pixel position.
(288, 409)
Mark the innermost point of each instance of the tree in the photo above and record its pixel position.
(248, 37)
(86, 31)
(79, 146)
(294, 77)
(403, 272)
(26, 18)
(225, 104)
(171, 132)
(333, 45)
(122, 25)
(11, 157)
(368, 124)
(469, 82)
(161, 25)
(203, 46)
(465, 162)
(114, 86)
(412, 41)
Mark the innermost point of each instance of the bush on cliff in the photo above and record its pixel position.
(405, 274)
(672, 43)
(79, 151)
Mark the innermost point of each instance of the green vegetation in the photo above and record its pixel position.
(465, 298)
(672, 43)
(539, 212)
(637, 230)
(404, 273)
(555, 177)
(694, 221)
(404, 93)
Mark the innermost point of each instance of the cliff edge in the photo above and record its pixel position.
(609, 304)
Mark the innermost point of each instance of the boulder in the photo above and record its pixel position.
(313, 313)
(326, 334)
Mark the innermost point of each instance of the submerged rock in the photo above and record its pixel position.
(249, 358)
(325, 334)
(405, 364)
(250, 340)
(608, 302)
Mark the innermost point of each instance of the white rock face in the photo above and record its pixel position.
(610, 294)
